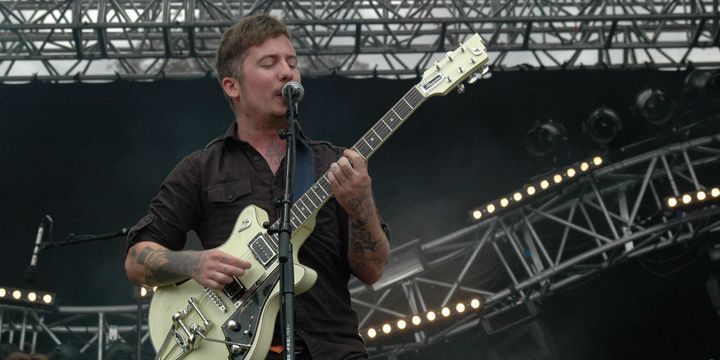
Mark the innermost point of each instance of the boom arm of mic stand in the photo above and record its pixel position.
(73, 239)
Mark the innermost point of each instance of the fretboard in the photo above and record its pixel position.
(321, 191)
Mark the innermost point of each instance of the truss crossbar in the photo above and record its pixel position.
(66, 40)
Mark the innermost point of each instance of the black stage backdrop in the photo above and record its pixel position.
(93, 155)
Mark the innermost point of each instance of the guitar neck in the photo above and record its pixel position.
(321, 191)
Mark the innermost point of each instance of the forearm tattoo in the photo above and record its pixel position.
(363, 243)
(164, 266)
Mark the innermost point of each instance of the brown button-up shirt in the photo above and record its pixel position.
(206, 192)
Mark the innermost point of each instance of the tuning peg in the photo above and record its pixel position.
(473, 78)
(461, 89)
(449, 55)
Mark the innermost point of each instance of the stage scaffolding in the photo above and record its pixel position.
(596, 221)
(578, 228)
(84, 40)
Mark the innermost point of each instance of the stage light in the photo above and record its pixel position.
(431, 315)
(567, 174)
(23, 297)
(702, 89)
(654, 107)
(544, 184)
(603, 125)
(545, 137)
(416, 320)
(701, 195)
(692, 198)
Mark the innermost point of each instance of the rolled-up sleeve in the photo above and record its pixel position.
(173, 211)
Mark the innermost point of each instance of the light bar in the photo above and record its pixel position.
(417, 321)
(692, 198)
(529, 190)
(26, 297)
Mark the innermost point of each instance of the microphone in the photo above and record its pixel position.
(31, 270)
(293, 91)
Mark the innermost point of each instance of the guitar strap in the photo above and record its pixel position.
(304, 165)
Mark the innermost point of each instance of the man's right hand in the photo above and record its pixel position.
(152, 264)
(217, 268)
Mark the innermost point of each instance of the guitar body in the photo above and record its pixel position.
(180, 313)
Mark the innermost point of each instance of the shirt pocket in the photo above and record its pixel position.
(226, 193)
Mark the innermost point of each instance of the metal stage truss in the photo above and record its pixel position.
(73, 40)
(552, 239)
(546, 242)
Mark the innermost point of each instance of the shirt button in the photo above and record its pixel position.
(229, 196)
(256, 157)
(148, 218)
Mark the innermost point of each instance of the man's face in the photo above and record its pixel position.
(266, 68)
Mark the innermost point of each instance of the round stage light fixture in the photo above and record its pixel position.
(544, 138)
(603, 125)
(702, 89)
(372, 333)
(401, 324)
(416, 320)
(655, 107)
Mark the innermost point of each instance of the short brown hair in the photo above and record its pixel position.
(250, 31)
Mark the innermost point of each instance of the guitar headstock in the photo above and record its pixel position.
(457, 65)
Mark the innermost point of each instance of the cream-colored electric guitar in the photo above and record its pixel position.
(194, 322)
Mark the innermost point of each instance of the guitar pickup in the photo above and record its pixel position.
(234, 290)
(261, 249)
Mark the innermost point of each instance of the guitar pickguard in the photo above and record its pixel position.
(242, 326)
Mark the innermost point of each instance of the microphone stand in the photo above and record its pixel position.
(287, 277)
(73, 239)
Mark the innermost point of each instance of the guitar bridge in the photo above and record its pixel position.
(186, 331)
